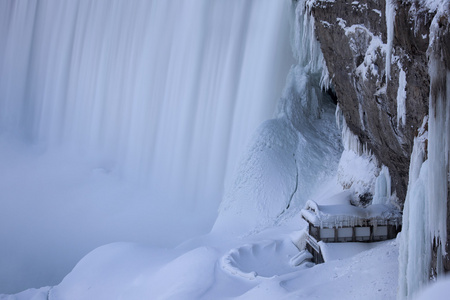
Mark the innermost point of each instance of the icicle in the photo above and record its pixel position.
(338, 115)
(382, 187)
(390, 18)
(352, 142)
(438, 150)
(415, 250)
(401, 98)
(325, 80)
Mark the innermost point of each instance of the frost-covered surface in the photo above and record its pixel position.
(339, 251)
(358, 168)
(196, 271)
(436, 290)
(348, 215)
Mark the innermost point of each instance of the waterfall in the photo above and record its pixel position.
(152, 94)
(168, 91)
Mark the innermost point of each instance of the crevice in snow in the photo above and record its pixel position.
(296, 186)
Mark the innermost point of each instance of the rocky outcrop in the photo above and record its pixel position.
(389, 61)
(377, 59)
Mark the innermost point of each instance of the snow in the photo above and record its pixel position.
(289, 156)
(345, 215)
(358, 169)
(340, 251)
(130, 271)
(436, 290)
(254, 261)
(377, 11)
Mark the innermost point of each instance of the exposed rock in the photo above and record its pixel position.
(354, 40)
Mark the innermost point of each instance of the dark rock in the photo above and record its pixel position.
(353, 38)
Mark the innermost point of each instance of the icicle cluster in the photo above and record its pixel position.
(424, 233)
(305, 46)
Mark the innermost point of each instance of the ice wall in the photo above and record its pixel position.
(166, 91)
(292, 155)
(424, 243)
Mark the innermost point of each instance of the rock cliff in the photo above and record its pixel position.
(376, 55)
(389, 61)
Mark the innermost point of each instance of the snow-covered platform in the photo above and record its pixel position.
(348, 223)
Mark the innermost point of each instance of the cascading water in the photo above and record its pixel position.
(163, 93)
(169, 91)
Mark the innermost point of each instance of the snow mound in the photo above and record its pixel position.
(436, 290)
(129, 271)
(30, 294)
(253, 261)
(265, 181)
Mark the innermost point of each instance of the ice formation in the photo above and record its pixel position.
(382, 194)
(390, 19)
(290, 155)
(424, 231)
(401, 98)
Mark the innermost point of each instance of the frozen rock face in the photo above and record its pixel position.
(376, 57)
(389, 61)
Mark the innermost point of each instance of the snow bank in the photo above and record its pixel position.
(346, 278)
(436, 290)
(128, 271)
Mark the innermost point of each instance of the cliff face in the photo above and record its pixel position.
(389, 61)
(377, 59)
